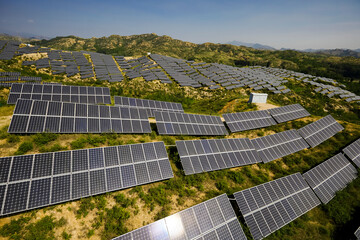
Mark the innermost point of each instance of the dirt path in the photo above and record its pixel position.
(264, 106)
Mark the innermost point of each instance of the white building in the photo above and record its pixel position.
(258, 97)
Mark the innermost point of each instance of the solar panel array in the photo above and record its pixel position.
(321, 130)
(142, 67)
(357, 233)
(8, 78)
(105, 67)
(289, 112)
(270, 206)
(214, 154)
(60, 61)
(177, 69)
(353, 152)
(149, 105)
(61, 93)
(33, 181)
(173, 123)
(212, 219)
(278, 145)
(9, 50)
(242, 121)
(35, 116)
(330, 176)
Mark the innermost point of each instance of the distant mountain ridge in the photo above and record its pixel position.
(336, 52)
(252, 45)
(21, 36)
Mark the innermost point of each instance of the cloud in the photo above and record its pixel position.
(30, 20)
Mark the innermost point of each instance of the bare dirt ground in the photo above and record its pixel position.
(265, 106)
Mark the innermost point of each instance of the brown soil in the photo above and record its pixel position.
(265, 106)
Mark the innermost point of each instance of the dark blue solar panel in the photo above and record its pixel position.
(96, 158)
(79, 160)
(39, 193)
(80, 185)
(61, 189)
(16, 197)
(21, 167)
(62, 162)
(4, 168)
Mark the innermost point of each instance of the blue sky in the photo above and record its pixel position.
(278, 23)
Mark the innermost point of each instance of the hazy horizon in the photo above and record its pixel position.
(279, 24)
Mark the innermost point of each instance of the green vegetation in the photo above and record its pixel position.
(24, 148)
(115, 222)
(41, 139)
(66, 236)
(41, 229)
(13, 138)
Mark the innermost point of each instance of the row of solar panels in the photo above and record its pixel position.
(176, 123)
(26, 181)
(265, 208)
(208, 155)
(242, 121)
(60, 93)
(33, 116)
(37, 180)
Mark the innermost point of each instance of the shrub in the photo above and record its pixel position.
(12, 138)
(41, 139)
(86, 205)
(55, 148)
(66, 236)
(168, 140)
(115, 222)
(41, 229)
(3, 132)
(236, 177)
(164, 212)
(78, 143)
(90, 233)
(24, 148)
(124, 201)
(14, 228)
(222, 185)
(260, 133)
(153, 135)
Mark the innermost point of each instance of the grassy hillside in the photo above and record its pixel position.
(346, 69)
(111, 214)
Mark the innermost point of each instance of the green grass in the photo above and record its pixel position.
(41, 229)
(41, 139)
(24, 148)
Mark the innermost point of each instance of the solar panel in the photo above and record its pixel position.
(321, 130)
(33, 181)
(289, 112)
(214, 217)
(241, 121)
(357, 233)
(214, 154)
(34, 116)
(149, 105)
(330, 176)
(172, 123)
(278, 145)
(270, 206)
(61, 93)
(353, 152)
